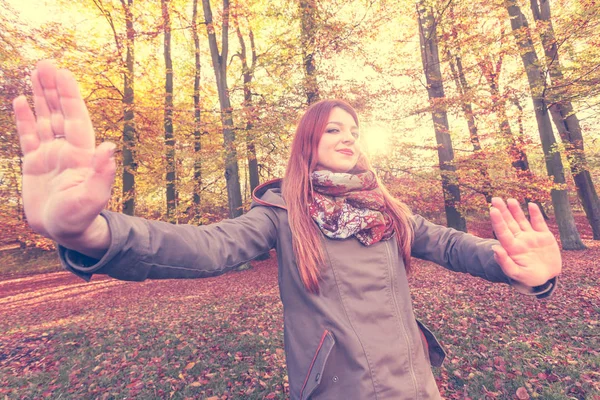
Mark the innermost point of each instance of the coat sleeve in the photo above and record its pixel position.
(462, 252)
(143, 249)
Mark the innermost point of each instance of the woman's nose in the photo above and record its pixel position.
(349, 137)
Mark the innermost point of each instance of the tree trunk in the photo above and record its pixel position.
(522, 165)
(219, 61)
(129, 139)
(248, 73)
(566, 120)
(197, 128)
(463, 89)
(435, 90)
(171, 176)
(308, 10)
(569, 235)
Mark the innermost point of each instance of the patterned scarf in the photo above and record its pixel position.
(347, 204)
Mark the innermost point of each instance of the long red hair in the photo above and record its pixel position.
(297, 192)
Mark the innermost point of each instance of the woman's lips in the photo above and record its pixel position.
(346, 152)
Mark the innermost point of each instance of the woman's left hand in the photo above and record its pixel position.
(528, 252)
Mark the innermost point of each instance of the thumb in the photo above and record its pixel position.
(104, 162)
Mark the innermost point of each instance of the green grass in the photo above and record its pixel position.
(63, 338)
(30, 261)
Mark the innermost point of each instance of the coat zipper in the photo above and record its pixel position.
(410, 361)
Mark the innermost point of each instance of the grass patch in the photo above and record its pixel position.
(107, 339)
(29, 261)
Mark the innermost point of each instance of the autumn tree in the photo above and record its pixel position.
(464, 90)
(564, 217)
(248, 67)
(514, 143)
(475, 48)
(308, 24)
(564, 116)
(129, 139)
(435, 89)
(13, 82)
(171, 177)
(129, 132)
(219, 61)
(197, 113)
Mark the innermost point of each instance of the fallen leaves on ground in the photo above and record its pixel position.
(222, 338)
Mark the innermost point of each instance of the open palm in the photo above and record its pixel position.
(528, 251)
(67, 180)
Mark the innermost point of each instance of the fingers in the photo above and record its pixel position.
(509, 267)
(26, 125)
(537, 219)
(517, 213)
(46, 74)
(59, 107)
(503, 233)
(42, 112)
(50, 115)
(512, 225)
(78, 127)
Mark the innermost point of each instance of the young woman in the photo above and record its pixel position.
(343, 243)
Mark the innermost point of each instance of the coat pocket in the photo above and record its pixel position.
(435, 351)
(315, 370)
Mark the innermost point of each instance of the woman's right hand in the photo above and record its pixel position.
(67, 180)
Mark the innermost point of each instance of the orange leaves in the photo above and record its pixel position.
(221, 338)
(522, 394)
(190, 366)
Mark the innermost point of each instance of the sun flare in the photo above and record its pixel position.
(375, 138)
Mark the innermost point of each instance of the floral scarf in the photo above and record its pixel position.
(346, 204)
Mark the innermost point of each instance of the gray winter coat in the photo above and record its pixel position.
(358, 338)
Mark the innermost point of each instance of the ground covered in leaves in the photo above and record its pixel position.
(221, 338)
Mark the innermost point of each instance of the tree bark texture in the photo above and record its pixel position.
(565, 119)
(569, 235)
(308, 10)
(219, 61)
(129, 136)
(524, 162)
(171, 175)
(435, 89)
(463, 89)
(248, 73)
(197, 115)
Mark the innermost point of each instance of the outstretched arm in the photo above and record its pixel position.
(528, 259)
(143, 249)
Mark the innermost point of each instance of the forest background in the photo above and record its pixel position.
(458, 100)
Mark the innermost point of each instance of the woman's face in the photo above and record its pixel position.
(338, 148)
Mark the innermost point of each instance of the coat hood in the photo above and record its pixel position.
(269, 194)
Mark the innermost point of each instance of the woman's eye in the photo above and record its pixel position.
(355, 134)
(332, 130)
